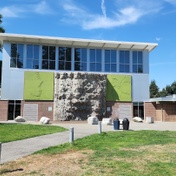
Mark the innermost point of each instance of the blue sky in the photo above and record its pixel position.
(120, 20)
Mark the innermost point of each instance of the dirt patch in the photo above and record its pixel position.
(70, 163)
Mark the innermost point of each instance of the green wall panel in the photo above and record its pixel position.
(38, 86)
(118, 88)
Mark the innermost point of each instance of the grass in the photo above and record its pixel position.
(123, 153)
(126, 153)
(13, 132)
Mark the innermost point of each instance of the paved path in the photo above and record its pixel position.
(17, 149)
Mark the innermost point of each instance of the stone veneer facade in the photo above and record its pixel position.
(79, 95)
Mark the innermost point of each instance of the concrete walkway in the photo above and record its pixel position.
(17, 149)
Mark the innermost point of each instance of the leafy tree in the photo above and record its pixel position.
(173, 87)
(163, 93)
(1, 30)
(169, 90)
(154, 90)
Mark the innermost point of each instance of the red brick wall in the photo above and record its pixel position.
(42, 108)
(162, 111)
(3, 110)
(149, 110)
(169, 111)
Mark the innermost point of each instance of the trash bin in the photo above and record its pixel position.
(116, 124)
(125, 124)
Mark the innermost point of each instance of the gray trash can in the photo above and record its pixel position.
(116, 124)
(125, 124)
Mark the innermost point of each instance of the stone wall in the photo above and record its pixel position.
(79, 95)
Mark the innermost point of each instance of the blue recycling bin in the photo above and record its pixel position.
(116, 124)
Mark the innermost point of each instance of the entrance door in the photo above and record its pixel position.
(138, 110)
(14, 109)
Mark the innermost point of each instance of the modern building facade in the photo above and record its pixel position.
(30, 65)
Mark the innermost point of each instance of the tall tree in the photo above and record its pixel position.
(2, 30)
(169, 90)
(154, 90)
(163, 93)
(173, 86)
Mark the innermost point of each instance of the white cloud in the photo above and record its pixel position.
(20, 11)
(103, 8)
(42, 8)
(158, 39)
(11, 11)
(125, 16)
(122, 14)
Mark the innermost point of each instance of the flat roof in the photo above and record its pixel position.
(6, 37)
(169, 98)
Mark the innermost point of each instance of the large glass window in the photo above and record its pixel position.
(95, 60)
(137, 62)
(48, 57)
(64, 58)
(81, 59)
(32, 60)
(110, 61)
(17, 51)
(124, 61)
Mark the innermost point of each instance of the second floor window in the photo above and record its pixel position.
(137, 62)
(48, 57)
(80, 59)
(110, 61)
(124, 61)
(95, 60)
(17, 54)
(32, 60)
(64, 58)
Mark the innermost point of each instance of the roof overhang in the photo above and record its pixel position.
(5, 37)
(170, 98)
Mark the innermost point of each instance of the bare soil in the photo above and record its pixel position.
(66, 164)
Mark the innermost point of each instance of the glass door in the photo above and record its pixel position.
(14, 109)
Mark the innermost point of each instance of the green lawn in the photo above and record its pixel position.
(13, 132)
(125, 153)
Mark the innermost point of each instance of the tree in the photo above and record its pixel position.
(154, 90)
(163, 93)
(173, 87)
(169, 90)
(1, 30)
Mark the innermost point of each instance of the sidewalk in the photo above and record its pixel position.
(17, 149)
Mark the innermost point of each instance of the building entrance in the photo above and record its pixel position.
(138, 109)
(14, 109)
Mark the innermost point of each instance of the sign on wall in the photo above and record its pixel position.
(38, 86)
(118, 88)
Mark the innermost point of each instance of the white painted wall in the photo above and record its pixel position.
(140, 87)
(12, 79)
